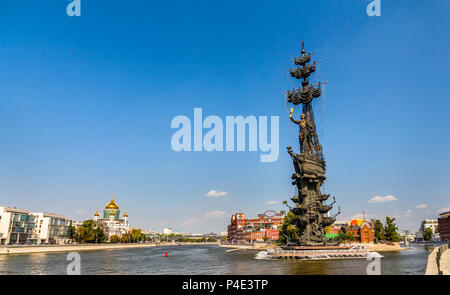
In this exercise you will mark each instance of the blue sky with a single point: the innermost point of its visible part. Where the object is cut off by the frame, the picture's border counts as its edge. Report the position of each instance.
(86, 105)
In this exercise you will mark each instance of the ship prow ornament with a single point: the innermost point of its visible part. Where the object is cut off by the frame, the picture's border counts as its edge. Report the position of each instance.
(312, 215)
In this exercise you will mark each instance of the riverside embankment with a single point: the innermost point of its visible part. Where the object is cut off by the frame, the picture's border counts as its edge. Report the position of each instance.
(5, 250)
(439, 261)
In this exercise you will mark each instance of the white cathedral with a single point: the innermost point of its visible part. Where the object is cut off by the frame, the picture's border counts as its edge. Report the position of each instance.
(111, 222)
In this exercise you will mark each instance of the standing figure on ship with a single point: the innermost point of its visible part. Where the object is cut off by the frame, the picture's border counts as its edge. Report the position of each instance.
(305, 133)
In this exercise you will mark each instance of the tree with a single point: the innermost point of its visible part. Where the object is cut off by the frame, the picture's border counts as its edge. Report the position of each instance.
(427, 234)
(100, 236)
(85, 232)
(89, 232)
(288, 231)
(114, 239)
(378, 231)
(136, 235)
(125, 238)
(72, 232)
(390, 230)
(345, 237)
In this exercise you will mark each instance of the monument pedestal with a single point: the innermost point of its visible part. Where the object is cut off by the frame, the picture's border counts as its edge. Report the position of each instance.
(318, 252)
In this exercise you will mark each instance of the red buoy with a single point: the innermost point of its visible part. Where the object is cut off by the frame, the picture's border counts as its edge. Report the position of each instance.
(165, 254)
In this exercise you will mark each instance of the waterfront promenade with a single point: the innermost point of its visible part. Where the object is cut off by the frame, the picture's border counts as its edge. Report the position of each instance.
(5, 250)
(445, 262)
(439, 260)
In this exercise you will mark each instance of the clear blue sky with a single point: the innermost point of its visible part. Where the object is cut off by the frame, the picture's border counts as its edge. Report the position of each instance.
(86, 105)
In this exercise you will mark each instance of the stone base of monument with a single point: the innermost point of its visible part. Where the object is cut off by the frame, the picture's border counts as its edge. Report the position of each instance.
(318, 252)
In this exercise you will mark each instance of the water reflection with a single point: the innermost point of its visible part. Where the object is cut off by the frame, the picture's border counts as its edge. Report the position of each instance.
(208, 259)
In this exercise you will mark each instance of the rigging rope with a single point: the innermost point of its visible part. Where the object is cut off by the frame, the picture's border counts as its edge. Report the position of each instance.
(296, 144)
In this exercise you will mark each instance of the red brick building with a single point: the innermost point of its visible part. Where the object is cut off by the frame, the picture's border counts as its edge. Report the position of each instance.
(249, 230)
(362, 233)
(444, 226)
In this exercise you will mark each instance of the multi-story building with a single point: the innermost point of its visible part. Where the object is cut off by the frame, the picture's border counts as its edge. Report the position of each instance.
(361, 229)
(427, 223)
(111, 223)
(362, 232)
(16, 226)
(444, 226)
(51, 228)
(248, 230)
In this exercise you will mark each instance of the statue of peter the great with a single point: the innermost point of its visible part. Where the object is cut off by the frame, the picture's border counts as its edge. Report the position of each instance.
(305, 133)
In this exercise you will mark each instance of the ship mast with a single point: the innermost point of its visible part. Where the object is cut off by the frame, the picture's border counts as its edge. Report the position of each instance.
(306, 94)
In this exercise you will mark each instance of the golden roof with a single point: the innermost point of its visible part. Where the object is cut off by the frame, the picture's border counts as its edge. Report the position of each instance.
(112, 204)
(126, 214)
(96, 213)
(111, 213)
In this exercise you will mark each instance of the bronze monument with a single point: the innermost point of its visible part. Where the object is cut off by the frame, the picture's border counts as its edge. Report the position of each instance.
(310, 212)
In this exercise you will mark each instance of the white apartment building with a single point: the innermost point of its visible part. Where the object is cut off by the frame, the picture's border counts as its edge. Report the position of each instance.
(427, 223)
(51, 228)
(16, 226)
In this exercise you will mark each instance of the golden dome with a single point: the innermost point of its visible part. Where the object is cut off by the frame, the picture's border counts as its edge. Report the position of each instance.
(112, 213)
(96, 213)
(126, 214)
(112, 205)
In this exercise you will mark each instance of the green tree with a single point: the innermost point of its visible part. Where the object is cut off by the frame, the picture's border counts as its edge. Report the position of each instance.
(288, 231)
(114, 239)
(136, 235)
(390, 230)
(100, 236)
(89, 232)
(125, 238)
(378, 231)
(72, 232)
(345, 237)
(427, 234)
(85, 232)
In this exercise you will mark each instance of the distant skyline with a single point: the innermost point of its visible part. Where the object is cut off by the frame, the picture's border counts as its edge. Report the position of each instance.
(86, 105)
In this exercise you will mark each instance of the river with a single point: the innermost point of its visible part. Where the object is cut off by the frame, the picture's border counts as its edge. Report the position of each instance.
(206, 259)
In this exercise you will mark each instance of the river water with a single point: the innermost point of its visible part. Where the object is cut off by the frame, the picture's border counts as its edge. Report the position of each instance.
(206, 259)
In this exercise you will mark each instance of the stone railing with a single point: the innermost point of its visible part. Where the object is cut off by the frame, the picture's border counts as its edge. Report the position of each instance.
(434, 260)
